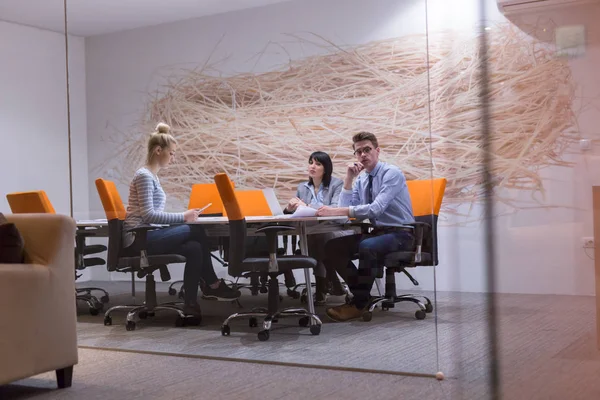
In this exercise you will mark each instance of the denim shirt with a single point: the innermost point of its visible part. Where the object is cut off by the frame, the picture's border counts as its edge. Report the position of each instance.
(391, 205)
(327, 196)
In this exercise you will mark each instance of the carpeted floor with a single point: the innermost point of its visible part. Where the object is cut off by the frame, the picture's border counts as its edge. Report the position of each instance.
(547, 349)
(392, 341)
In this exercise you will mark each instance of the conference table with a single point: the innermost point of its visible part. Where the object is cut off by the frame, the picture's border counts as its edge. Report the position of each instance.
(218, 226)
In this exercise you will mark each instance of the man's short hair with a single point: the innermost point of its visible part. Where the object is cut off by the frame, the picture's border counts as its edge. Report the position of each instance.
(360, 136)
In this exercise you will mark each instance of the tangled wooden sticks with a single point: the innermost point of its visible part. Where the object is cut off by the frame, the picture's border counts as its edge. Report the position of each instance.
(261, 128)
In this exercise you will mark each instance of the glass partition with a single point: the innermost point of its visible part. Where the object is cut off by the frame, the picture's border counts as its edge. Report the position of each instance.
(254, 93)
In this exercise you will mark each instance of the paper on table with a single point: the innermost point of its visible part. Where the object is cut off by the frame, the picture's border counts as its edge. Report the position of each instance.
(303, 211)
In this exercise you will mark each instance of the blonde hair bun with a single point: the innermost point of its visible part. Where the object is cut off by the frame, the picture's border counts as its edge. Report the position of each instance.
(163, 128)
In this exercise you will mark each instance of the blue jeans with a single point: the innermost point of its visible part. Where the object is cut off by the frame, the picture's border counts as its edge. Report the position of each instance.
(189, 241)
(371, 251)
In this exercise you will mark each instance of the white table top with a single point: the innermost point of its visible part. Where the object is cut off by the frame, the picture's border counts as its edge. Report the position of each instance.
(225, 220)
(270, 218)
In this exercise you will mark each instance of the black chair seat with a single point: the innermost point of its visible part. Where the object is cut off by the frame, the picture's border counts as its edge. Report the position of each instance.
(93, 261)
(405, 258)
(134, 262)
(93, 249)
(285, 263)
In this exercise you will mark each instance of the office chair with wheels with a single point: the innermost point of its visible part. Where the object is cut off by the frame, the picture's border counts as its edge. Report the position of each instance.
(426, 197)
(143, 265)
(203, 194)
(272, 266)
(253, 203)
(38, 202)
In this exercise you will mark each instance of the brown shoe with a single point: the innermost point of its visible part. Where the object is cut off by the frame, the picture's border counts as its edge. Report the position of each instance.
(345, 312)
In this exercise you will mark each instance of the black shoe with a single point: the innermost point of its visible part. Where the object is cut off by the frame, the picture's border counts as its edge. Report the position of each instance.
(336, 288)
(192, 310)
(223, 292)
(321, 291)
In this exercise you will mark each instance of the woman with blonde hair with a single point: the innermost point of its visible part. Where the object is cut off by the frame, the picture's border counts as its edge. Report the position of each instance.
(146, 206)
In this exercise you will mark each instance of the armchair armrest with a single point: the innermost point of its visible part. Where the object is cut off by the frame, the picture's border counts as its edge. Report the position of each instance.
(419, 229)
(271, 232)
(275, 228)
(364, 226)
(141, 232)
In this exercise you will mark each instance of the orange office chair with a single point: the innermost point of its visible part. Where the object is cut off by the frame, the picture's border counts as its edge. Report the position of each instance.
(253, 203)
(426, 196)
(143, 265)
(201, 195)
(272, 265)
(37, 202)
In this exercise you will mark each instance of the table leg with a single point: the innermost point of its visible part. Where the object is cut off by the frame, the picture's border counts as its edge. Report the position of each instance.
(307, 271)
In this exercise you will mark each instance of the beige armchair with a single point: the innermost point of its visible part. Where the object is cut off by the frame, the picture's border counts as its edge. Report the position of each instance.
(37, 301)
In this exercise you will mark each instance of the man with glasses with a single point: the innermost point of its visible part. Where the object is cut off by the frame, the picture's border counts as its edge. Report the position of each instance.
(381, 196)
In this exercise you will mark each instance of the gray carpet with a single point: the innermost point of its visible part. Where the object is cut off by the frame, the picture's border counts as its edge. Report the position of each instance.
(547, 349)
(392, 341)
(112, 375)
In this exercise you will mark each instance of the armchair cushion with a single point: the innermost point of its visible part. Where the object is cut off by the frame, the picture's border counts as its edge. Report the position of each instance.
(11, 243)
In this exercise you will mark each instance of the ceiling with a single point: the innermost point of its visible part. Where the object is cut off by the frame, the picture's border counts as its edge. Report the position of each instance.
(96, 17)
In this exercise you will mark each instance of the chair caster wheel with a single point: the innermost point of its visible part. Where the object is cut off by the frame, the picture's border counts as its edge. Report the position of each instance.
(263, 290)
(180, 322)
(315, 329)
(253, 323)
(367, 316)
(384, 308)
(181, 294)
(420, 314)
(172, 292)
(130, 326)
(225, 330)
(143, 315)
(263, 336)
(94, 311)
(303, 322)
(107, 321)
(428, 308)
(104, 299)
(304, 299)
(293, 294)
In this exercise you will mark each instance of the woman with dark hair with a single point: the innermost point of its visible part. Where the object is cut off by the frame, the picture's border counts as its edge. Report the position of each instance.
(322, 189)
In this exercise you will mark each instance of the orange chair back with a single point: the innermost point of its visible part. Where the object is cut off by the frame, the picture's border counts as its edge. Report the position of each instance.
(203, 194)
(426, 195)
(253, 203)
(229, 197)
(34, 202)
(111, 200)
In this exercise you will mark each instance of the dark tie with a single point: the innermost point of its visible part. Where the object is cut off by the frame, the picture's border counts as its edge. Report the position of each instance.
(370, 190)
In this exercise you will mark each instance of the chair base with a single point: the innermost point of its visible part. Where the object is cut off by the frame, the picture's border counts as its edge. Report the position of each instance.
(105, 298)
(387, 302)
(95, 306)
(143, 312)
(269, 319)
(149, 308)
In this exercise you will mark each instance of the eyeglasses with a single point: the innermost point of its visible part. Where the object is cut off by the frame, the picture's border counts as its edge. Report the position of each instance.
(364, 150)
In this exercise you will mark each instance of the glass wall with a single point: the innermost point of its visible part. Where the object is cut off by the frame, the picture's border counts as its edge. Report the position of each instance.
(254, 93)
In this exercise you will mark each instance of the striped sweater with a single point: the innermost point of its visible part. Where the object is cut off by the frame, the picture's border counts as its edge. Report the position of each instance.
(146, 204)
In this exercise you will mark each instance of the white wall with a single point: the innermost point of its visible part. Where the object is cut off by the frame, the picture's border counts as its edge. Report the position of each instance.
(538, 250)
(33, 116)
